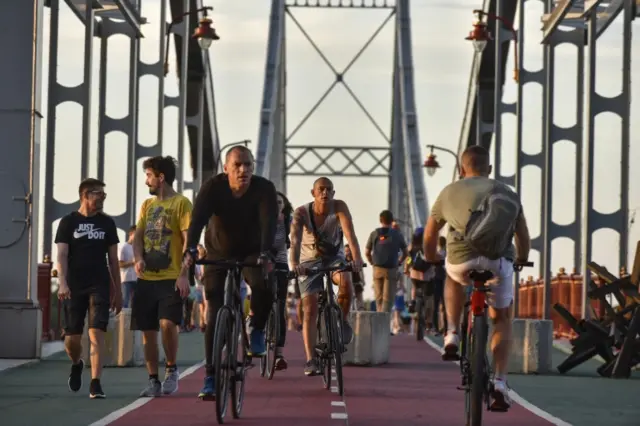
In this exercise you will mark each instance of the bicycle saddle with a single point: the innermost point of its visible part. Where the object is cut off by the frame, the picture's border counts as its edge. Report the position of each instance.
(480, 275)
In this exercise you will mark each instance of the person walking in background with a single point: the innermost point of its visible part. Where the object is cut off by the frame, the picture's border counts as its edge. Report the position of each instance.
(357, 278)
(85, 239)
(160, 240)
(199, 301)
(381, 251)
(127, 271)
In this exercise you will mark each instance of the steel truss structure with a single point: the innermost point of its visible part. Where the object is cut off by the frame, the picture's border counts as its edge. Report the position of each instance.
(401, 162)
(588, 20)
(102, 20)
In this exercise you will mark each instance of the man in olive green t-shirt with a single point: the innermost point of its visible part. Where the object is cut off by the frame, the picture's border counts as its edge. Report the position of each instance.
(454, 206)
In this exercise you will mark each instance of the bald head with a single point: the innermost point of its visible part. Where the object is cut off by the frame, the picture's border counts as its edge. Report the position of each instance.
(238, 150)
(476, 161)
(323, 181)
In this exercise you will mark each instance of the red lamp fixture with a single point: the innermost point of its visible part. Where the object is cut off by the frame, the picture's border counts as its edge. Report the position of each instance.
(431, 164)
(205, 34)
(479, 36)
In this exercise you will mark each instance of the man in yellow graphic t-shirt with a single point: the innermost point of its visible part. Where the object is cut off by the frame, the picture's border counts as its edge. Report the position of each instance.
(158, 247)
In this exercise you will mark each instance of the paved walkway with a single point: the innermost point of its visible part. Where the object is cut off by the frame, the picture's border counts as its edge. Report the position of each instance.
(415, 388)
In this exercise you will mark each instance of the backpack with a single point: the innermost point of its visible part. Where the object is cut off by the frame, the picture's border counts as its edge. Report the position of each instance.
(384, 249)
(491, 226)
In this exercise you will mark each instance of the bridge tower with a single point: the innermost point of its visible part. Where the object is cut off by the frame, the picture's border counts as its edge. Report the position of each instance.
(278, 158)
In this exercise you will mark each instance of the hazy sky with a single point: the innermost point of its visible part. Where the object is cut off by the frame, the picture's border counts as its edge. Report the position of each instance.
(442, 61)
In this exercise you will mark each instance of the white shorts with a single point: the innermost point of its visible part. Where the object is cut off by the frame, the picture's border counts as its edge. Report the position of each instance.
(501, 294)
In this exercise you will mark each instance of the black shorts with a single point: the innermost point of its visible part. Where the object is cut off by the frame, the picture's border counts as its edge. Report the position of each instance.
(215, 278)
(154, 301)
(92, 300)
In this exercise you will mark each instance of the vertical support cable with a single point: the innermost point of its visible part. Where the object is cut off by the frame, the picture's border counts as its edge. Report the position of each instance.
(587, 161)
(182, 95)
(162, 46)
(517, 179)
(625, 123)
(102, 104)
(497, 94)
(52, 102)
(87, 87)
(546, 194)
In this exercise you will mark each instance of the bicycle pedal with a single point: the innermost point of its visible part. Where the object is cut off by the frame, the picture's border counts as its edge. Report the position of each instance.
(462, 388)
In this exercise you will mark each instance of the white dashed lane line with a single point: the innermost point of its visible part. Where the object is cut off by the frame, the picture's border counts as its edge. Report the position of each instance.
(338, 407)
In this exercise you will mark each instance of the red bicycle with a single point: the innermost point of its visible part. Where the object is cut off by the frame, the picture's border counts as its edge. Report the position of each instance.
(474, 364)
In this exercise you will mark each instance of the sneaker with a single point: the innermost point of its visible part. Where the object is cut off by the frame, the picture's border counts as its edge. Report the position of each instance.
(500, 400)
(258, 345)
(95, 390)
(347, 333)
(208, 392)
(451, 344)
(171, 378)
(75, 378)
(311, 368)
(281, 363)
(154, 388)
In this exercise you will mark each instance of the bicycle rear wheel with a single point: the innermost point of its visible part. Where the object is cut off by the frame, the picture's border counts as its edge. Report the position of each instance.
(240, 357)
(273, 333)
(334, 318)
(479, 376)
(222, 355)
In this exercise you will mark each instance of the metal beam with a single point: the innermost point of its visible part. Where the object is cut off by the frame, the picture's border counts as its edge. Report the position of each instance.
(555, 18)
(342, 4)
(610, 13)
(355, 156)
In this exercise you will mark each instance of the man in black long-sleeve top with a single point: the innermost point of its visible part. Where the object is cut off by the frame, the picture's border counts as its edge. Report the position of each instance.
(240, 212)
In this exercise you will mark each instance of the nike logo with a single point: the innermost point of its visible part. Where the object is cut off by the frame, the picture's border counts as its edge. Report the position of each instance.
(77, 234)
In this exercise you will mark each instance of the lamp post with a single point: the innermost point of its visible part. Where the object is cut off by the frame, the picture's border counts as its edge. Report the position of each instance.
(479, 37)
(205, 35)
(245, 142)
(431, 163)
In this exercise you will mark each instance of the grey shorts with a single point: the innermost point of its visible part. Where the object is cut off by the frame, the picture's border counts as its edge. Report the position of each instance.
(313, 284)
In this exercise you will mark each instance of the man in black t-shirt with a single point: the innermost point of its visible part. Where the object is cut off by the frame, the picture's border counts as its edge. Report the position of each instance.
(85, 239)
(240, 212)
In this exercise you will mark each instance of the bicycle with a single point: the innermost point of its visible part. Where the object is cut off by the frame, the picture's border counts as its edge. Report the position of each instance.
(230, 333)
(272, 330)
(331, 346)
(476, 369)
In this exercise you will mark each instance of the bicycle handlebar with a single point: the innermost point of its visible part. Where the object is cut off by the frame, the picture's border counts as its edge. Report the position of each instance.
(523, 264)
(348, 267)
(228, 264)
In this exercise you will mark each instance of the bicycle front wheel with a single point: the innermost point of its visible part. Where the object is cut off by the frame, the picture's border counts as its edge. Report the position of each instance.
(273, 332)
(479, 376)
(335, 324)
(239, 377)
(223, 360)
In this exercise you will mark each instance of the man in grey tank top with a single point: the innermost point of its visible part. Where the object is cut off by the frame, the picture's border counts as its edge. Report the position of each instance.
(317, 227)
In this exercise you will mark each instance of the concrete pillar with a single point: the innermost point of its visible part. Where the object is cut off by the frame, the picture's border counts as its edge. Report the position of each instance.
(20, 93)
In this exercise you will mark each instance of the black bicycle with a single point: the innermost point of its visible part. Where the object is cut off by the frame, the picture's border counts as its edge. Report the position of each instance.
(330, 326)
(272, 330)
(474, 363)
(230, 342)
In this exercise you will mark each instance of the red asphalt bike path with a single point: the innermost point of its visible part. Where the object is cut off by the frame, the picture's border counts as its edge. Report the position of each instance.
(415, 388)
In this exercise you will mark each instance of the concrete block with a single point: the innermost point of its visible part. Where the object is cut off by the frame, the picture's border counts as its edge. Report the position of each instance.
(531, 347)
(21, 329)
(123, 346)
(370, 345)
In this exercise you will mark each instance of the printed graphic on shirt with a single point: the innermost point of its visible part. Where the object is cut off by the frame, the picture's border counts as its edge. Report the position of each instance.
(157, 241)
(87, 230)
